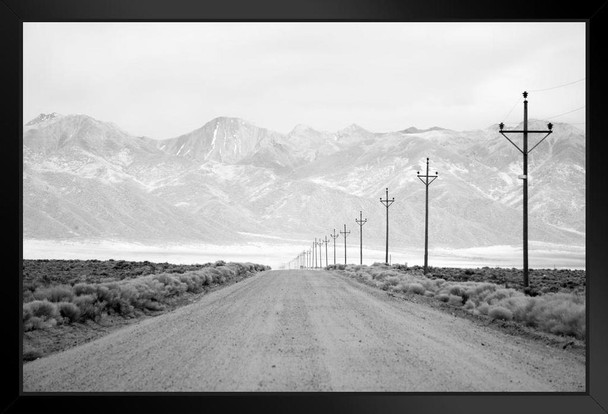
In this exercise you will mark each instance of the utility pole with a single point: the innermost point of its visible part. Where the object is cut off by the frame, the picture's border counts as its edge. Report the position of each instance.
(345, 233)
(387, 203)
(314, 251)
(326, 258)
(524, 177)
(334, 236)
(361, 222)
(320, 243)
(426, 183)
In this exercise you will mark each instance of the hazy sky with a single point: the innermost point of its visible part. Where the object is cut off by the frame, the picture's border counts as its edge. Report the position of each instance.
(165, 79)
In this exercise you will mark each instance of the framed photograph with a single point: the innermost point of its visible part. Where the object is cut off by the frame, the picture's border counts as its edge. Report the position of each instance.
(365, 207)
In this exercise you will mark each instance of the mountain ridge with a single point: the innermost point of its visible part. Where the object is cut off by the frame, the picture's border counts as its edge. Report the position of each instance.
(230, 177)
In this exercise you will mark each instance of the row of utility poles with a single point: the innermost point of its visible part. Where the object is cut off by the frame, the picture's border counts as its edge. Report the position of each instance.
(310, 258)
(427, 179)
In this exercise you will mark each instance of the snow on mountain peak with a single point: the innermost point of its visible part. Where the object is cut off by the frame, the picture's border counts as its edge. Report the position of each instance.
(43, 118)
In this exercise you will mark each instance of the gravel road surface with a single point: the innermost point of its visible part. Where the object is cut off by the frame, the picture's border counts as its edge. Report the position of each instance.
(305, 330)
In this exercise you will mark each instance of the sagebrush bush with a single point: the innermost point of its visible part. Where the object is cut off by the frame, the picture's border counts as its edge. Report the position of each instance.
(88, 306)
(443, 297)
(416, 288)
(84, 289)
(484, 308)
(28, 296)
(34, 323)
(455, 300)
(42, 309)
(69, 311)
(498, 312)
(30, 354)
(59, 293)
(27, 313)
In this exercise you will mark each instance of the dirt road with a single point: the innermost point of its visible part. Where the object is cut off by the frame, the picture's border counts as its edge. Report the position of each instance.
(304, 330)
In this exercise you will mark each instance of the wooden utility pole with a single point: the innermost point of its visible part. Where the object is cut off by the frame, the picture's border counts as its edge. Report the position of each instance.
(426, 183)
(387, 203)
(334, 236)
(326, 258)
(345, 233)
(320, 254)
(361, 221)
(524, 177)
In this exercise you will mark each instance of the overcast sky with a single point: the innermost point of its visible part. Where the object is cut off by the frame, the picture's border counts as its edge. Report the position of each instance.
(162, 80)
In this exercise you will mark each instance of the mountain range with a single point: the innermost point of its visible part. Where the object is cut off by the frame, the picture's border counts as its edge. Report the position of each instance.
(85, 179)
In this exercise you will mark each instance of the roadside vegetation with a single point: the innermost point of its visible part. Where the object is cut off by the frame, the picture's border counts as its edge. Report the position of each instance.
(554, 303)
(57, 293)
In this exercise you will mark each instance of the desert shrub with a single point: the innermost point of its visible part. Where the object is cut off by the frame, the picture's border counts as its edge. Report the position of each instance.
(30, 354)
(191, 281)
(219, 263)
(443, 297)
(34, 323)
(416, 288)
(104, 292)
(57, 293)
(498, 312)
(238, 268)
(484, 308)
(169, 285)
(457, 290)
(520, 306)
(84, 289)
(559, 313)
(27, 313)
(209, 279)
(68, 311)
(500, 294)
(469, 305)
(154, 306)
(455, 300)
(28, 296)
(42, 309)
(392, 280)
(88, 307)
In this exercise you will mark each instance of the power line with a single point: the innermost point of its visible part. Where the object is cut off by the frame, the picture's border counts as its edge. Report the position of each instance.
(565, 113)
(512, 108)
(557, 86)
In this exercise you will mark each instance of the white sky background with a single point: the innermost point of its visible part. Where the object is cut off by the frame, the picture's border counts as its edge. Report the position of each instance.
(162, 80)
